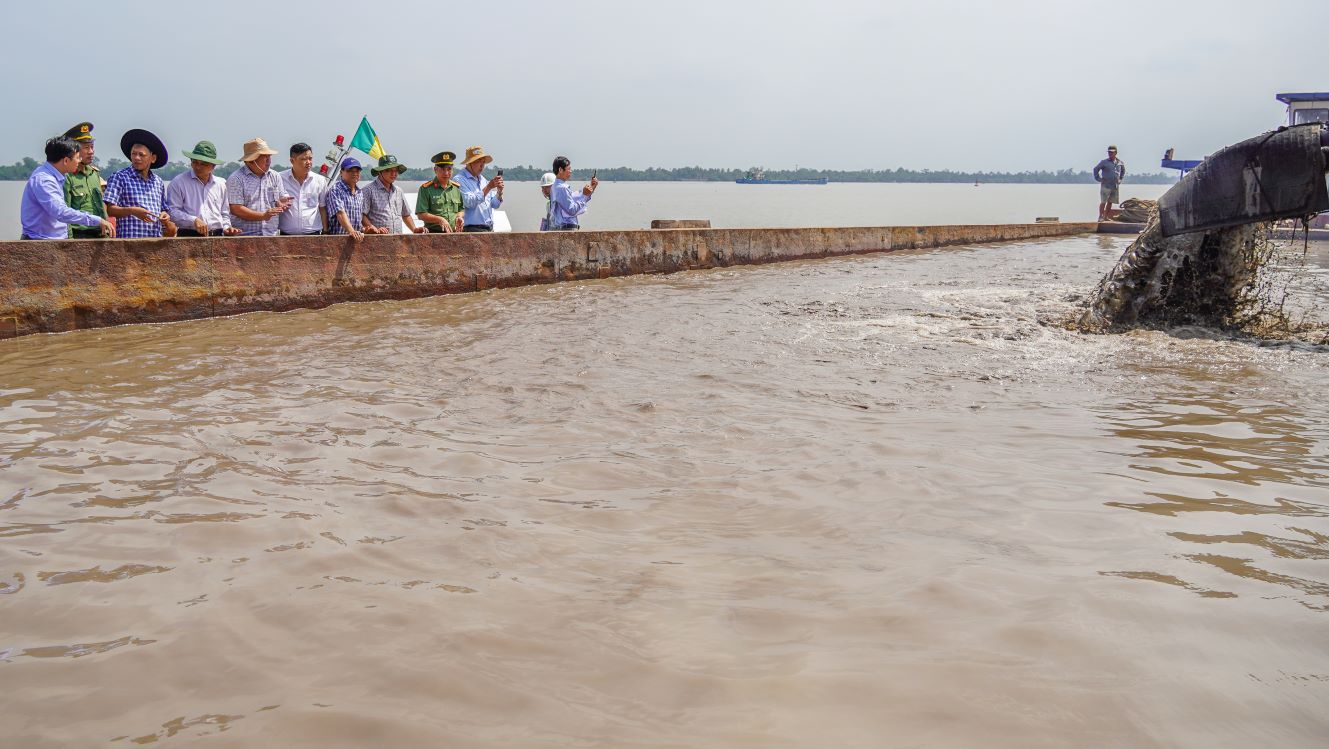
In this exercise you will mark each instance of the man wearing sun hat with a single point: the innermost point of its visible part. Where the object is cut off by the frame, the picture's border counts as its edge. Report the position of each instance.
(255, 193)
(438, 204)
(477, 202)
(345, 202)
(83, 188)
(385, 203)
(196, 200)
(135, 195)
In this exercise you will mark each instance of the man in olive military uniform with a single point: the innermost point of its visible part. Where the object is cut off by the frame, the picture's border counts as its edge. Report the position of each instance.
(438, 204)
(83, 188)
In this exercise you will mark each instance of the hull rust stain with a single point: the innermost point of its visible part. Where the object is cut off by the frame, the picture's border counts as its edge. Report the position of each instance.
(55, 286)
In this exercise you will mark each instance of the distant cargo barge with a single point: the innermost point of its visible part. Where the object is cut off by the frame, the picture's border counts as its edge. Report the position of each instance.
(751, 181)
(757, 176)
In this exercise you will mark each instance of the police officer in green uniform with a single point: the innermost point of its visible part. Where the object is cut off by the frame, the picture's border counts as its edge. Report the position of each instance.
(438, 204)
(83, 188)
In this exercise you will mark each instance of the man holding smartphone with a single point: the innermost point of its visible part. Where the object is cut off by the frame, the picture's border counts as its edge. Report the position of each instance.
(478, 203)
(566, 206)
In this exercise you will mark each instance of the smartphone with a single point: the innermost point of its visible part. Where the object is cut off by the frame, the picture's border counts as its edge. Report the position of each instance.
(595, 173)
(500, 172)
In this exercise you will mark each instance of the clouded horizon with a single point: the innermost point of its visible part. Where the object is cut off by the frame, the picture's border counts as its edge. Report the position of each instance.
(839, 85)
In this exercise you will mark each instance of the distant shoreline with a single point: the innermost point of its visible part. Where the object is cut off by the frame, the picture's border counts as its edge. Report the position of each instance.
(21, 170)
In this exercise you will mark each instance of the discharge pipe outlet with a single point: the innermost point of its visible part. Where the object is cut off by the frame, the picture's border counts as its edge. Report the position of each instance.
(1277, 175)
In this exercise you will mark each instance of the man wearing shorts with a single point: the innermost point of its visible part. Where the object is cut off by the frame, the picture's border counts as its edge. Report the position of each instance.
(1109, 173)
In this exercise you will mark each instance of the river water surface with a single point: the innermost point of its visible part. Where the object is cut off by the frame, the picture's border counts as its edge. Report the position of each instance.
(860, 502)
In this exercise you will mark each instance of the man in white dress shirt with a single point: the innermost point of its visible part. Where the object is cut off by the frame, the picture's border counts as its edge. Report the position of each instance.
(307, 214)
(196, 200)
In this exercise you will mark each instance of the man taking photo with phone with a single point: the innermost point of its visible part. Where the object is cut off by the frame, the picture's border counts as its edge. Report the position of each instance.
(566, 205)
(477, 201)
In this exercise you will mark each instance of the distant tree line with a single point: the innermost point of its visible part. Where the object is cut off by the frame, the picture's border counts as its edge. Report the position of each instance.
(20, 171)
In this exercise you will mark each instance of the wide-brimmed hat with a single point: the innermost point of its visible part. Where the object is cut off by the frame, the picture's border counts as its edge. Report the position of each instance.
(387, 162)
(82, 132)
(203, 151)
(444, 158)
(474, 153)
(148, 141)
(546, 179)
(256, 148)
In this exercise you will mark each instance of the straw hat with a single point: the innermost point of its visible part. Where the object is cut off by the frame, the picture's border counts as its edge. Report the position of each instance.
(256, 148)
(474, 153)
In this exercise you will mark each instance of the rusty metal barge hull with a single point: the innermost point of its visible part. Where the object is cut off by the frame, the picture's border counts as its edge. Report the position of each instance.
(56, 286)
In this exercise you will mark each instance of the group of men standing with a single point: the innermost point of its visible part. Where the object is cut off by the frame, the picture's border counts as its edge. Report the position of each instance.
(67, 197)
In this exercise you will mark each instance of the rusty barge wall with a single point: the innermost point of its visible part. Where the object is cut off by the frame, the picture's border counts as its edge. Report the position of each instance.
(54, 286)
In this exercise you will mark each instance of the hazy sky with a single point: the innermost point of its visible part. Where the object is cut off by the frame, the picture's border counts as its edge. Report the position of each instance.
(840, 84)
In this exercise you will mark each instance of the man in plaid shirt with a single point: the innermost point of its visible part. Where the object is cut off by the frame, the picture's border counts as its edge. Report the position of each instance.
(255, 192)
(136, 196)
(346, 202)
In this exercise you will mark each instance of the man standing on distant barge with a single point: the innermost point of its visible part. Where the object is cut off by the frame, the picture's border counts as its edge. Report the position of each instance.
(83, 188)
(1109, 173)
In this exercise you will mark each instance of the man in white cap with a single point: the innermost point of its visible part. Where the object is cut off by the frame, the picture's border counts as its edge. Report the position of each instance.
(478, 204)
(255, 192)
(546, 182)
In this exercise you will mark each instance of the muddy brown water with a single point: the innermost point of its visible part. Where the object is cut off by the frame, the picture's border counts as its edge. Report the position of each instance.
(858, 502)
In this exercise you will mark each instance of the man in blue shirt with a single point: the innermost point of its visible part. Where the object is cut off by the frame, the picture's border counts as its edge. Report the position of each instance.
(477, 204)
(1109, 173)
(44, 212)
(565, 206)
(346, 202)
(135, 195)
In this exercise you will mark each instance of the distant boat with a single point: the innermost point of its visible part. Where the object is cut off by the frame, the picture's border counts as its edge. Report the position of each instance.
(758, 177)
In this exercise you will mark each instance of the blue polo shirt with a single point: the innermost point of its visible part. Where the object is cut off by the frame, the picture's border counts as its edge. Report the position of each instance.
(477, 210)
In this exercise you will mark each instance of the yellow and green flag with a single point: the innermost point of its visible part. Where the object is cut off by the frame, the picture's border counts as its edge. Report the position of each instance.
(367, 140)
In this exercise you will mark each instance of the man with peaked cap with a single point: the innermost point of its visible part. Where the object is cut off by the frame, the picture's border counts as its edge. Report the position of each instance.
(135, 195)
(438, 204)
(385, 203)
(478, 205)
(83, 188)
(256, 193)
(196, 199)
